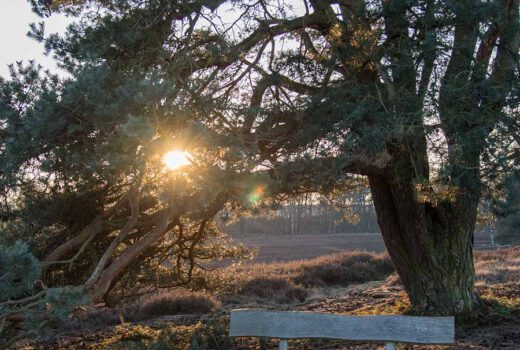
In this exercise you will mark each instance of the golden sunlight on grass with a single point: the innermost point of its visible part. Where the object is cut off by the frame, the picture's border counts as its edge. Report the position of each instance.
(176, 159)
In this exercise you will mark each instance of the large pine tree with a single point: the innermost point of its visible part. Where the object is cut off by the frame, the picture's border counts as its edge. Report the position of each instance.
(272, 99)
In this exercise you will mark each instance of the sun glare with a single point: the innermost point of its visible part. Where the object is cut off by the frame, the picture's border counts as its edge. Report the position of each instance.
(176, 159)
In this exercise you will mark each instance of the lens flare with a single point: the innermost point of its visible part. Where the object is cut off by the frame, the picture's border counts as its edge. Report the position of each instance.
(176, 159)
(256, 195)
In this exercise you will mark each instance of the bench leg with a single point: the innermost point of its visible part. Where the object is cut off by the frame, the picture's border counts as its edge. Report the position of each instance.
(283, 345)
(390, 346)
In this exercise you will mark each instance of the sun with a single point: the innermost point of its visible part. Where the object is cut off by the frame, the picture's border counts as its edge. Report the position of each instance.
(176, 159)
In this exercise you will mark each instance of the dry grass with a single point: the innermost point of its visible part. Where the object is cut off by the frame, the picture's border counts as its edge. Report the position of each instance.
(501, 266)
(498, 276)
(294, 281)
(377, 265)
(498, 283)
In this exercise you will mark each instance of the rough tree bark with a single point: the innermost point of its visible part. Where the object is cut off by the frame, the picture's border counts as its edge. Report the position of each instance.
(430, 240)
(432, 254)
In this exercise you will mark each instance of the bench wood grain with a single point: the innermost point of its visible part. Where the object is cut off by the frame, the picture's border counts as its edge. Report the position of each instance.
(299, 325)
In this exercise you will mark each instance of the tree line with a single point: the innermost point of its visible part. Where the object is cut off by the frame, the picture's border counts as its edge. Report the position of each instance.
(311, 214)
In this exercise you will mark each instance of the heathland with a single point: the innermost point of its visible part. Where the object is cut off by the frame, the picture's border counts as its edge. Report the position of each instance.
(351, 283)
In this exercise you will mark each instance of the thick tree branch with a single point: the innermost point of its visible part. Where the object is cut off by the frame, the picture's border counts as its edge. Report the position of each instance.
(507, 54)
(91, 230)
(429, 37)
(133, 198)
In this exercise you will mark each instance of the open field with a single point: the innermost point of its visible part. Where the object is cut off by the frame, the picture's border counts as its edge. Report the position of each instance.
(286, 248)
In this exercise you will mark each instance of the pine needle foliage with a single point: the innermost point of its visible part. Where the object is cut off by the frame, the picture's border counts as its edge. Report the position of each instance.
(271, 99)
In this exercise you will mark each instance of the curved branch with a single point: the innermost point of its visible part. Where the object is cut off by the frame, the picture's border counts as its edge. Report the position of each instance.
(87, 234)
(101, 287)
(232, 54)
(133, 199)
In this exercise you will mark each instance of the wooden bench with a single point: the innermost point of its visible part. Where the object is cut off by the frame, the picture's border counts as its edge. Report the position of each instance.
(298, 325)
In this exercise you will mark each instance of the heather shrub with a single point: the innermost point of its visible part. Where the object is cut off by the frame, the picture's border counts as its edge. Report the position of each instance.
(353, 268)
(95, 318)
(147, 307)
(297, 293)
(174, 304)
(278, 289)
(265, 287)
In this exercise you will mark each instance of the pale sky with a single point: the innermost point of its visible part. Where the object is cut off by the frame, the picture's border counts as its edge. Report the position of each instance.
(15, 16)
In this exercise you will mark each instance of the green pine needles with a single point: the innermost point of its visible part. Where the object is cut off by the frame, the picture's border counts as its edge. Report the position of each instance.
(25, 299)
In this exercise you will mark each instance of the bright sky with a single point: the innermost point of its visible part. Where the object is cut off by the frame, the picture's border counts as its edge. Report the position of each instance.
(15, 16)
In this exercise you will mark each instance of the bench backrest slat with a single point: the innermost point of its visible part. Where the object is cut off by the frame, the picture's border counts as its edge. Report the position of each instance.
(298, 325)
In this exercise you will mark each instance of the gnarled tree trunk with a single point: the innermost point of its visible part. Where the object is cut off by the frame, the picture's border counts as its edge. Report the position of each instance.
(430, 241)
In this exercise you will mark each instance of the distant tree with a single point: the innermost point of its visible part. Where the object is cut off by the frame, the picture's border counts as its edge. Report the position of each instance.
(310, 214)
(507, 211)
(272, 99)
